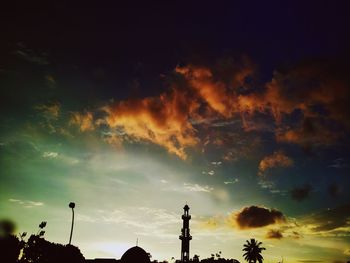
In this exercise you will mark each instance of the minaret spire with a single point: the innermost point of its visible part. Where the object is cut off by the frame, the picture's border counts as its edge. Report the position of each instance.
(185, 236)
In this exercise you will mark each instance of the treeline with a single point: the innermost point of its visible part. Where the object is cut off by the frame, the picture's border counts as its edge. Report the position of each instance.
(35, 249)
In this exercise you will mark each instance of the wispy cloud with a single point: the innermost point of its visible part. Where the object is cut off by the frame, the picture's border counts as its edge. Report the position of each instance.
(50, 111)
(50, 154)
(234, 181)
(30, 55)
(26, 203)
(211, 172)
(338, 163)
(144, 220)
(218, 163)
(198, 188)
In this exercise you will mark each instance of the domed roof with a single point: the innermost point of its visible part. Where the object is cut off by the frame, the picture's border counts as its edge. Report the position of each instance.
(135, 255)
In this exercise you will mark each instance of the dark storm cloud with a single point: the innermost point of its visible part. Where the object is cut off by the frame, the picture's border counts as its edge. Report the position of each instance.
(255, 217)
(274, 234)
(301, 193)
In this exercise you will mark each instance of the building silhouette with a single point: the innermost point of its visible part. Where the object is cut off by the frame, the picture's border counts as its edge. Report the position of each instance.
(135, 254)
(185, 236)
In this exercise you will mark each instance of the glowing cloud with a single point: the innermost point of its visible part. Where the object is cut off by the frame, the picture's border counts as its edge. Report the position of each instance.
(161, 120)
(202, 95)
(215, 94)
(277, 159)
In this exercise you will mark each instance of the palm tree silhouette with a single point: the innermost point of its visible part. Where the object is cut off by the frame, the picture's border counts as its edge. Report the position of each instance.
(71, 205)
(253, 251)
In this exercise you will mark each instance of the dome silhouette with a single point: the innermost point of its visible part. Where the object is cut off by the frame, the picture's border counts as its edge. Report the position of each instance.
(135, 255)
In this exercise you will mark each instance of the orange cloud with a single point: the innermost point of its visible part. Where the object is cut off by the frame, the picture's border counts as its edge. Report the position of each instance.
(85, 121)
(201, 95)
(161, 120)
(277, 159)
(214, 93)
(168, 120)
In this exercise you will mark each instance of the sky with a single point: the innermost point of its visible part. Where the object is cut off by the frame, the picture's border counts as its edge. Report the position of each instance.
(131, 110)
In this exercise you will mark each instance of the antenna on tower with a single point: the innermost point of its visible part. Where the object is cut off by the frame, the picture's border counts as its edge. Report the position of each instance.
(137, 242)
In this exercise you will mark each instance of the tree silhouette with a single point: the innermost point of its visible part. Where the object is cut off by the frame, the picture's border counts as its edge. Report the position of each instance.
(253, 251)
(39, 250)
(10, 245)
(36, 249)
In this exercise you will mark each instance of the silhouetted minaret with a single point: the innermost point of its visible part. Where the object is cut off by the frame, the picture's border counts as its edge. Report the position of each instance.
(185, 235)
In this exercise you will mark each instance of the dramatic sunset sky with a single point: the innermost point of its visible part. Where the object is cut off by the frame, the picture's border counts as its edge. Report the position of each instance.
(239, 108)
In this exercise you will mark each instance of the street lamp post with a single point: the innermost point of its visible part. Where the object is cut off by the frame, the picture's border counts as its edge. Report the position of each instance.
(71, 205)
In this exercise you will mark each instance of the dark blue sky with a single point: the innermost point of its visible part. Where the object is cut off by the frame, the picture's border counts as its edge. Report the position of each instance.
(136, 40)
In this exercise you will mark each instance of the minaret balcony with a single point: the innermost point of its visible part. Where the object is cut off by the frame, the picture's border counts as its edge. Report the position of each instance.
(185, 238)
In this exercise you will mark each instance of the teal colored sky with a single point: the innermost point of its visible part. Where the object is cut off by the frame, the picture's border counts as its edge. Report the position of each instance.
(133, 111)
